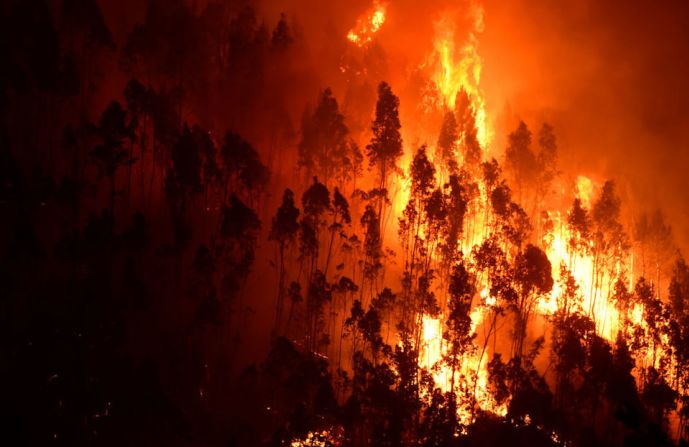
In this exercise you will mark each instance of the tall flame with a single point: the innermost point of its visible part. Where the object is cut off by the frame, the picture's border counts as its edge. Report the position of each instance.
(452, 69)
(473, 365)
(456, 69)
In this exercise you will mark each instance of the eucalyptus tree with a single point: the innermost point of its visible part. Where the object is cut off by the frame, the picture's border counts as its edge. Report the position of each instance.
(284, 230)
(385, 147)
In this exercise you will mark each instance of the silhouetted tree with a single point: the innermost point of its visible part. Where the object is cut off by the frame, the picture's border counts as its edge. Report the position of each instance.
(373, 251)
(654, 237)
(458, 332)
(284, 229)
(468, 133)
(243, 170)
(282, 34)
(341, 217)
(239, 231)
(609, 242)
(315, 203)
(546, 160)
(447, 141)
(579, 225)
(533, 274)
(520, 158)
(113, 129)
(385, 147)
(324, 147)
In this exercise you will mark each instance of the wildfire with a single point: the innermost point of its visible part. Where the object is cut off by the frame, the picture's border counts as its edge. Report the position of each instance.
(472, 371)
(584, 190)
(324, 438)
(455, 73)
(594, 290)
(457, 69)
(367, 25)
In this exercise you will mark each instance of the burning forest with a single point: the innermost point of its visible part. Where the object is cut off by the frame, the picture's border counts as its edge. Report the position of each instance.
(366, 223)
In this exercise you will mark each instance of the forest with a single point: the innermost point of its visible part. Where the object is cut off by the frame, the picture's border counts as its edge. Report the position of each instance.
(215, 232)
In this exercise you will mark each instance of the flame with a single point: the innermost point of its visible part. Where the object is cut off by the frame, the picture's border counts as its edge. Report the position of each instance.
(594, 293)
(487, 299)
(584, 190)
(368, 25)
(331, 437)
(452, 69)
(472, 367)
(459, 69)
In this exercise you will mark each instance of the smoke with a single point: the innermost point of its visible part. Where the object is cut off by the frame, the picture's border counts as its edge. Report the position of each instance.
(611, 77)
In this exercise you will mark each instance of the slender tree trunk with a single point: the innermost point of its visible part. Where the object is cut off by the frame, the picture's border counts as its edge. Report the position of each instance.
(330, 248)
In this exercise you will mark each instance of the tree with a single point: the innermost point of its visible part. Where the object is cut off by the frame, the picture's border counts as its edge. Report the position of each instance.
(417, 232)
(579, 225)
(466, 124)
(341, 217)
(183, 180)
(571, 333)
(654, 238)
(385, 147)
(511, 221)
(546, 160)
(319, 293)
(533, 274)
(678, 297)
(242, 166)
(527, 391)
(238, 230)
(113, 128)
(458, 333)
(520, 158)
(324, 147)
(456, 204)
(212, 174)
(315, 203)
(608, 239)
(283, 230)
(282, 35)
(658, 396)
(678, 292)
(171, 47)
(373, 252)
(447, 141)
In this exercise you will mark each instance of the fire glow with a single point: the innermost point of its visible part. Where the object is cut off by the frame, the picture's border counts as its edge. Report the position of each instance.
(344, 223)
(456, 69)
(367, 26)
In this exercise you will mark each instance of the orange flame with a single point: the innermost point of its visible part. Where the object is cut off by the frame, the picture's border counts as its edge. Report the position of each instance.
(472, 367)
(456, 69)
(368, 25)
(584, 190)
